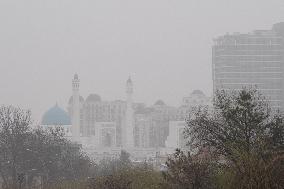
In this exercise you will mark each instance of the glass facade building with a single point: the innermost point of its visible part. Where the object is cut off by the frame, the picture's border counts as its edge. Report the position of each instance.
(251, 60)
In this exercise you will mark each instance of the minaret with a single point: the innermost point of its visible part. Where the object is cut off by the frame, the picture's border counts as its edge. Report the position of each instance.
(75, 107)
(129, 129)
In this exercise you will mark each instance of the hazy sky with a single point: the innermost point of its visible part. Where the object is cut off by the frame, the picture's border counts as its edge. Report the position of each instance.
(165, 45)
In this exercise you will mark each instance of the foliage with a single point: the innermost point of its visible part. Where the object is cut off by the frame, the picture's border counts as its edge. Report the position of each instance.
(246, 135)
(122, 174)
(58, 158)
(69, 184)
(28, 155)
(129, 178)
(109, 166)
(186, 171)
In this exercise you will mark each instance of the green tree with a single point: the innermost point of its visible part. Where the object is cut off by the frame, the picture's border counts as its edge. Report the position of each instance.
(246, 135)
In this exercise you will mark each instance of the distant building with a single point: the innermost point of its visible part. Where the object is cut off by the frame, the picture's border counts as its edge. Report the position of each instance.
(142, 130)
(251, 60)
(176, 137)
(161, 116)
(102, 120)
(106, 132)
(95, 111)
(195, 100)
(152, 124)
(103, 128)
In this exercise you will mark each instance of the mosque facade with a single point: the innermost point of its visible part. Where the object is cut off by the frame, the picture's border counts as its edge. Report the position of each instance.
(109, 126)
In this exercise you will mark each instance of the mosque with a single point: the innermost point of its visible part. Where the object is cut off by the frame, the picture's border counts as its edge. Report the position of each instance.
(106, 127)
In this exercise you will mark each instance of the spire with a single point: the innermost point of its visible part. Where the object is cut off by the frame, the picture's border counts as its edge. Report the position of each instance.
(76, 82)
(129, 128)
(76, 106)
(129, 80)
(129, 86)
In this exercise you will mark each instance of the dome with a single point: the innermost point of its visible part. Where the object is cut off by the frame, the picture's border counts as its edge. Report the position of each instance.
(76, 76)
(197, 92)
(55, 116)
(93, 98)
(160, 103)
(81, 99)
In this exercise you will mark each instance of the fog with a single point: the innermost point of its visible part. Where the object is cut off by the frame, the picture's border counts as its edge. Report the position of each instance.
(164, 45)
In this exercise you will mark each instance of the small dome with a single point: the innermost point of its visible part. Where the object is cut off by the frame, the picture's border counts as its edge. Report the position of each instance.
(56, 116)
(197, 92)
(76, 76)
(81, 99)
(160, 103)
(93, 98)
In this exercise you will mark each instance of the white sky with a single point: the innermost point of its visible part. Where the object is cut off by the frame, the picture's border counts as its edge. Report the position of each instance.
(165, 45)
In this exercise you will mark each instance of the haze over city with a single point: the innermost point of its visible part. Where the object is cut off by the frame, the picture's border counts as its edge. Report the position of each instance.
(149, 94)
(165, 46)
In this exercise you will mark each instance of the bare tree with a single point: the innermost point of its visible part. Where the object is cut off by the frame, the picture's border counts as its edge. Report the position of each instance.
(26, 153)
(14, 130)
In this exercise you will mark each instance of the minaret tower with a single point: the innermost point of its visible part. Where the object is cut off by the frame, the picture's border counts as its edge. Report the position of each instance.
(129, 129)
(75, 107)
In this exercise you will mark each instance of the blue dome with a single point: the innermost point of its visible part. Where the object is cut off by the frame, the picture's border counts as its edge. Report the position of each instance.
(55, 116)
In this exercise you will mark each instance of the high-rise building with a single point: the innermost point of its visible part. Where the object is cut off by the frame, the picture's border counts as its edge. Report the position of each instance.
(251, 60)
